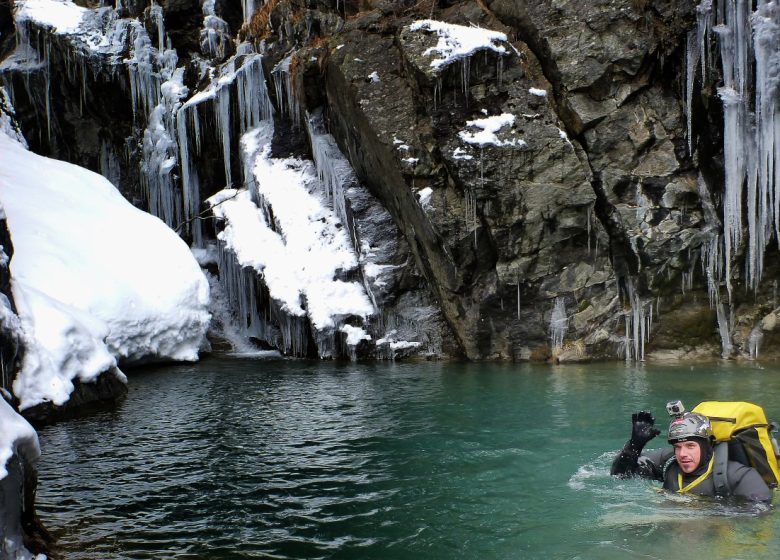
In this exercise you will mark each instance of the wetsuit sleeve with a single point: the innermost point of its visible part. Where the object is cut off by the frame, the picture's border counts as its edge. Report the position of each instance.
(626, 463)
(630, 462)
(747, 483)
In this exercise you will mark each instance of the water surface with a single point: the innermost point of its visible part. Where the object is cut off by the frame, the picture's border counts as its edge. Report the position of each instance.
(260, 458)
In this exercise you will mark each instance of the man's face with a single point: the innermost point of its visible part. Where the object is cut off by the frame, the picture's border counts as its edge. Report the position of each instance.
(688, 455)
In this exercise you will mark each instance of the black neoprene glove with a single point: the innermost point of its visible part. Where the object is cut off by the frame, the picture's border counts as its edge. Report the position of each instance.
(642, 430)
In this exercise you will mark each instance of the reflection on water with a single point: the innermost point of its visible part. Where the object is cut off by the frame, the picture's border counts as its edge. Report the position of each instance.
(247, 458)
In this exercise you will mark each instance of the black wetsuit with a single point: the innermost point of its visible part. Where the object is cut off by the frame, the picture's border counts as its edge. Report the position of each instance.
(661, 465)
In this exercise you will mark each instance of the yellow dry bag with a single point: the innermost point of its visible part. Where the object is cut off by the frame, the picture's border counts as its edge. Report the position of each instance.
(745, 427)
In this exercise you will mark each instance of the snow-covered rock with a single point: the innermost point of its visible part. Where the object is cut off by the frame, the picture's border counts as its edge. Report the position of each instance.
(96, 281)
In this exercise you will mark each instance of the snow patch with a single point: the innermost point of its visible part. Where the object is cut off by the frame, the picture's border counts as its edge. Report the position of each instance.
(458, 41)
(354, 334)
(424, 196)
(488, 129)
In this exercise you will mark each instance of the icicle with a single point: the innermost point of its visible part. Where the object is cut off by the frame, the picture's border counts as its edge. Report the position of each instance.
(145, 82)
(254, 103)
(518, 298)
(733, 146)
(252, 308)
(754, 341)
(766, 27)
(471, 212)
(223, 126)
(588, 212)
(156, 15)
(724, 331)
(159, 159)
(465, 75)
(703, 31)
(190, 184)
(214, 36)
(110, 167)
(47, 77)
(692, 53)
(248, 9)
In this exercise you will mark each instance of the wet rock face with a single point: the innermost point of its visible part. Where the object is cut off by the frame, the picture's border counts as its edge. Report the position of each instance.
(488, 222)
(108, 389)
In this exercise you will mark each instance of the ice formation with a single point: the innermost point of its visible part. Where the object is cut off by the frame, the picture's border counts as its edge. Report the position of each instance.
(458, 43)
(285, 95)
(240, 83)
(749, 43)
(638, 319)
(559, 324)
(284, 229)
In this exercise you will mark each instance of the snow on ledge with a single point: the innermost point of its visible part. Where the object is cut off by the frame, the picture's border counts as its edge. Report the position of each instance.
(314, 238)
(63, 16)
(458, 41)
(488, 129)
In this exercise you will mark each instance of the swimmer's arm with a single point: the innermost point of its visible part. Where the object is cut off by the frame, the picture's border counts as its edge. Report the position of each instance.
(627, 463)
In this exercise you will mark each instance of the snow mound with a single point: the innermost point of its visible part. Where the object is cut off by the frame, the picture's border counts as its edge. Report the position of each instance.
(95, 280)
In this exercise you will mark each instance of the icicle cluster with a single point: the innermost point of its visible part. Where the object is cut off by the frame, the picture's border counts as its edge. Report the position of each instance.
(157, 89)
(288, 103)
(214, 37)
(638, 319)
(241, 84)
(749, 43)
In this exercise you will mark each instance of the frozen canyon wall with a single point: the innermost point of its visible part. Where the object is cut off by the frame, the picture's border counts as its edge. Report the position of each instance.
(514, 180)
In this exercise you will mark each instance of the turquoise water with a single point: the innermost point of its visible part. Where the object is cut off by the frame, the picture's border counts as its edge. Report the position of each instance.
(257, 458)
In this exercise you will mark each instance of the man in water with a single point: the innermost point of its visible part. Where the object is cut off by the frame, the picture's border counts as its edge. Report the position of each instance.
(688, 467)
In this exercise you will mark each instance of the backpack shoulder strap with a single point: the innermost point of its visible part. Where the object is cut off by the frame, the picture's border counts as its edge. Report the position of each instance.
(720, 469)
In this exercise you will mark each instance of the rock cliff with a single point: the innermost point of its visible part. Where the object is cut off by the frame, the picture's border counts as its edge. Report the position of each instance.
(515, 180)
